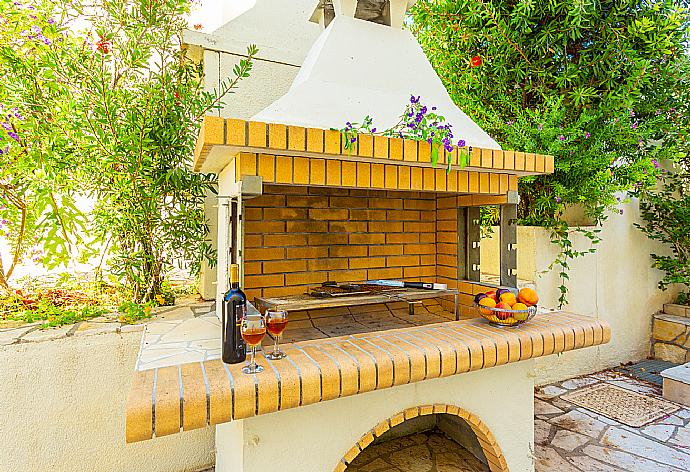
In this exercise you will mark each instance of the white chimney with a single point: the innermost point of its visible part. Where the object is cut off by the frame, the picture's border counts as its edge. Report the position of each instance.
(364, 63)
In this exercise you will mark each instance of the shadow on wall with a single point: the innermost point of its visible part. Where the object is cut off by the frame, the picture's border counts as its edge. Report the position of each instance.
(616, 284)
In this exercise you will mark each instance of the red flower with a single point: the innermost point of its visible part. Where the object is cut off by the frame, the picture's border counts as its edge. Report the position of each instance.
(476, 61)
(198, 26)
(103, 45)
(177, 95)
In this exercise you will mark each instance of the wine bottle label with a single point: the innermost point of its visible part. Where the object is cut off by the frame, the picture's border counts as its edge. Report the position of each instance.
(240, 312)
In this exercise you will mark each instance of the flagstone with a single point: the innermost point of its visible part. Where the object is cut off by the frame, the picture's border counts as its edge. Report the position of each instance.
(10, 336)
(586, 463)
(662, 432)
(568, 440)
(674, 420)
(684, 413)
(643, 447)
(48, 334)
(562, 404)
(548, 460)
(417, 458)
(579, 382)
(542, 429)
(550, 391)
(682, 437)
(543, 408)
(626, 461)
(580, 423)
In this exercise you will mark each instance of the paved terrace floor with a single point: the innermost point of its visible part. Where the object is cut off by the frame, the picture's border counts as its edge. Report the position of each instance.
(568, 439)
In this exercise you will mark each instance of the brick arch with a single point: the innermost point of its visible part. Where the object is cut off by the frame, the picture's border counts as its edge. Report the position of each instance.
(490, 447)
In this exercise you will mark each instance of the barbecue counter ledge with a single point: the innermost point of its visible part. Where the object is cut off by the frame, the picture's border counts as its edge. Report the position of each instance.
(171, 399)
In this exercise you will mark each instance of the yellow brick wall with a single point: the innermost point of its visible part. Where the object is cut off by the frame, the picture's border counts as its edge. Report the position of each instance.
(296, 237)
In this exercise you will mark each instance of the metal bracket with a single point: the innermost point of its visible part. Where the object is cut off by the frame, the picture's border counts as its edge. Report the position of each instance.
(411, 304)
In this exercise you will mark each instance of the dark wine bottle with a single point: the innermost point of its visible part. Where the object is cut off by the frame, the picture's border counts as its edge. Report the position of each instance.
(234, 309)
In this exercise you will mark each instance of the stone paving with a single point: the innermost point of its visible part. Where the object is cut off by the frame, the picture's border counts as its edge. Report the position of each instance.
(429, 451)
(14, 332)
(569, 438)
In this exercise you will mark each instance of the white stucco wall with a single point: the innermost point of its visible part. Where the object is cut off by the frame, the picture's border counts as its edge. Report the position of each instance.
(489, 251)
(313, 438)
(63, 410)
(616, 284)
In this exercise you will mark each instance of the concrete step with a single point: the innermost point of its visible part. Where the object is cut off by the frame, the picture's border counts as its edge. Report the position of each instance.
(677, 384)
(677, 310)
(671, 338)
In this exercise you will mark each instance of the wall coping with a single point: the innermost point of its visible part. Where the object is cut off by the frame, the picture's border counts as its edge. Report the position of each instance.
(231, 136)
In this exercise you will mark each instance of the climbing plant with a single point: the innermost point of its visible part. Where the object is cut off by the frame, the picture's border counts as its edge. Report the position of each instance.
(597, 85)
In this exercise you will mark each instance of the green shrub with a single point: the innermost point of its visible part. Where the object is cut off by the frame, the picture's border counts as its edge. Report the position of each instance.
(666, 215)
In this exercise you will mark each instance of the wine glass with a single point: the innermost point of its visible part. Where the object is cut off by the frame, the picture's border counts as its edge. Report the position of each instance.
(276, 322)
(253, 329)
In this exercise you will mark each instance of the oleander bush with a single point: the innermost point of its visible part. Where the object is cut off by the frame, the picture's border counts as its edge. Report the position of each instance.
(100, 100)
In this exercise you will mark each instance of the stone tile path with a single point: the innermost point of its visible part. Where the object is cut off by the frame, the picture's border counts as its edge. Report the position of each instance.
(569, 438)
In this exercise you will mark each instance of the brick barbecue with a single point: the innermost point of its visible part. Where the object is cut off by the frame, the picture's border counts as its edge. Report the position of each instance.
(297, 209)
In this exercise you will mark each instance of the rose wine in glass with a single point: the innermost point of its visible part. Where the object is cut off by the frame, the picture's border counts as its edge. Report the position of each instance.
(253, 329)
(276, 321)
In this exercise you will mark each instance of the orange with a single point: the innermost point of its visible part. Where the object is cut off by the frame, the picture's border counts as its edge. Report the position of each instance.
(528, 296)
(508, 298)
(487, 302)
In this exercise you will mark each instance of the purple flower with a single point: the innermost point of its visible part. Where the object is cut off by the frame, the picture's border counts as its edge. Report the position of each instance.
(656, 163)
(423, 110)
(634, 125)
(353, 140)
(414, 99)
(632, 113)
(620, 211)
(7, 126)
(558, 199)
(561, 138)
(373, 130)
(348, 125)
(657, 112)
(418, 118)
(13, 135)
(51, 21)
(587, 135)
(540, 127)
(429, 140)
(433, 108)
(461, 143)
(510, 122)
